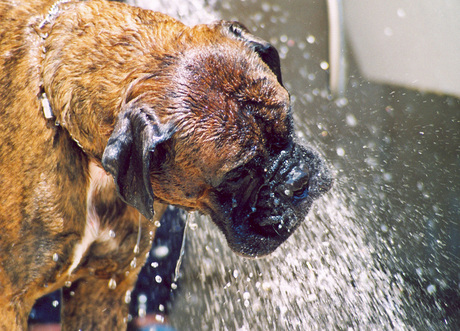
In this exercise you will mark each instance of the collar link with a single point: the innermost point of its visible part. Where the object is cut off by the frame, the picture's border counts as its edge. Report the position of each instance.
(52, 14)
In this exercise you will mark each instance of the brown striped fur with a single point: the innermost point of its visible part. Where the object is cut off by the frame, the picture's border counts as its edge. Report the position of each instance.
(145, 108)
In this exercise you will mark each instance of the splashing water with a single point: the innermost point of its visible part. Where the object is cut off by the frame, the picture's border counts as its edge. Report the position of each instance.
(188, 223)
(323, 277)
(348, 266)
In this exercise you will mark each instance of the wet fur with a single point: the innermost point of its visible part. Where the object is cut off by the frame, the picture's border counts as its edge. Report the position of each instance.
(146, 109)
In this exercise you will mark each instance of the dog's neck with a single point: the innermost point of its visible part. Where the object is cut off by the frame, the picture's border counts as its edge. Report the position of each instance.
(64, 102)
(53, 12)
(88, 81)
(43, 31)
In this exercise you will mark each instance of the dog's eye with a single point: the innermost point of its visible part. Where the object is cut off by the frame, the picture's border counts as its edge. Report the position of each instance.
(236, 176)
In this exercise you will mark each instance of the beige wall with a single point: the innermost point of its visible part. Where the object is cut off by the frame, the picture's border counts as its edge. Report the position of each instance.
(412, 43)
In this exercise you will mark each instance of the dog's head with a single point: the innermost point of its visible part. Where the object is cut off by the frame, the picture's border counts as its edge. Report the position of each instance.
(218, 138)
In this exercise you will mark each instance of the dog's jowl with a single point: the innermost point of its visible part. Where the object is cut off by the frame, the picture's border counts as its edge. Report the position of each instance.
(109, 112)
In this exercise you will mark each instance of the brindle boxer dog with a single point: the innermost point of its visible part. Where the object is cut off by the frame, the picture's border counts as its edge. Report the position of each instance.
(106, 108)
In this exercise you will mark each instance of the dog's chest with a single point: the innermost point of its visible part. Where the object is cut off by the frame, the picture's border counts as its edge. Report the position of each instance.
(95, 230)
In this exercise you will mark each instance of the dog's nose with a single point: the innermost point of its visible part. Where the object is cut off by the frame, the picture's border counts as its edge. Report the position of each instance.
(318, 180)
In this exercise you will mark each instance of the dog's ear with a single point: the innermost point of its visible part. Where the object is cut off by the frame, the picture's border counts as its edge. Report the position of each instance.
(266, 51)
(128, 153)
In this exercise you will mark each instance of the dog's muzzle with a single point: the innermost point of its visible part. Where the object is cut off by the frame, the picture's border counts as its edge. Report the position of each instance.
(297, 177)
(272, 207)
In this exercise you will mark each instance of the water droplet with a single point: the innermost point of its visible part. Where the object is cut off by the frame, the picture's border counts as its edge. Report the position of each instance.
(342, 102)
(311, 39)
(157, 224)
(72, 293)
(401, 12)
(174, 286)
(161, 251)
(266, 7)
(340, 151)
(133, 263)
(159, 318)
(351, 120)
(161, 307)
(68, 283)
(431, 289)
(142, 312)
(234, 203)
(136, 249)
(55, 303)
(112, 234)
(127, 319)
(388, 31)
(236, 273)
(112, 284)
(387, 177)
(288, 193)
(142, 299)
(312, 297)
(266, 286)
(158, 279)
(324, 65)
(128, 297)
(154, 264)
(246, 295)
(246, 303)
(55, 257)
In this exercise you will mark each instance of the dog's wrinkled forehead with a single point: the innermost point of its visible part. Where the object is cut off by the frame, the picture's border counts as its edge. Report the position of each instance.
(231, 98)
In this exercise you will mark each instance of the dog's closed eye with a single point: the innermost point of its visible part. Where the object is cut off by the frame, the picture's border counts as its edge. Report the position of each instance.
(236, 175)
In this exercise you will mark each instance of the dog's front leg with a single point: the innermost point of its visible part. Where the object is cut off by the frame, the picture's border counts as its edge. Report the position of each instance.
(97, 304)
(13, 316)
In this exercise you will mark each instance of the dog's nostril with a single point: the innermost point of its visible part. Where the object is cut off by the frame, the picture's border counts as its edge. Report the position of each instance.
(297, 182)
(302, 192)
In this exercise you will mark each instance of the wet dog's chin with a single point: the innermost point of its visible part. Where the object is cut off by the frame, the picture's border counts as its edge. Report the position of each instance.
(251, 240)
(254, 245)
